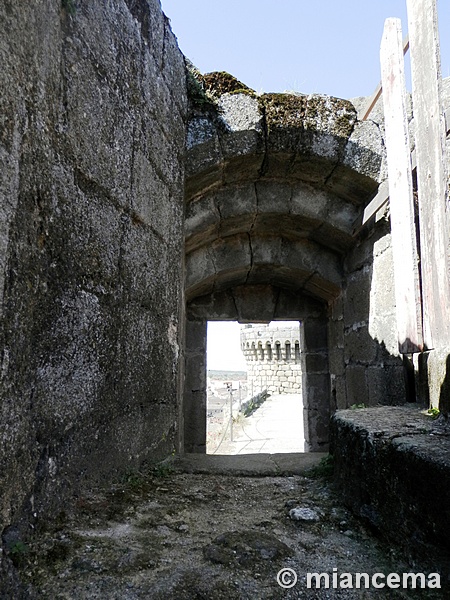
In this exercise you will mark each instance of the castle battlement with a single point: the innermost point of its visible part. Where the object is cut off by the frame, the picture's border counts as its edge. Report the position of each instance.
(273, 357)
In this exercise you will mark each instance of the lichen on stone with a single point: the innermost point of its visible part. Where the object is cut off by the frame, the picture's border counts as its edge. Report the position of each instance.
(333, 114)
(283, 110)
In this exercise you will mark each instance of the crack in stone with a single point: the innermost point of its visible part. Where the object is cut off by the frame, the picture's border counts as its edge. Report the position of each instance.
(265, 131)
(220, 228)
(234, 303)
(275, 304)
(277, 466)
(210, 255)
(337, 164)
(251, 256)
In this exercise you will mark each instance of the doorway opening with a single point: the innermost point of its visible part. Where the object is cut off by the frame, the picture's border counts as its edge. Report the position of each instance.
(255, 379)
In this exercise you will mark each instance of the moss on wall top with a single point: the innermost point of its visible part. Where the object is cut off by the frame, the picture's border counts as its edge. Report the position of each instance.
(311, 112)
(220, 82)
(284, 110)
(314, 112)
(204, 90)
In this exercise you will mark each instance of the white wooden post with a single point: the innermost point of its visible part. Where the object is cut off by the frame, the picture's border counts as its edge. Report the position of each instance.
(432, 175)
(404, 243)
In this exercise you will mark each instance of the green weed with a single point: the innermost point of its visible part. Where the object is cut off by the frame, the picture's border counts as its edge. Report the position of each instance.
(324, 469)
(69, 6)
(433, 412)
(162, 470)
(18, 553)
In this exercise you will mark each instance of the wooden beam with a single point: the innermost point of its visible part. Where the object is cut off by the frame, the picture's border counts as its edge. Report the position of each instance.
(382, 196)
(368, 107)
(403, 229)
(432, 177)
(378, 201)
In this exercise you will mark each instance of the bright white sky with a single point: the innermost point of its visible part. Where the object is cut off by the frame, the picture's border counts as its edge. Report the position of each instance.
(223, 350)
(323, 46)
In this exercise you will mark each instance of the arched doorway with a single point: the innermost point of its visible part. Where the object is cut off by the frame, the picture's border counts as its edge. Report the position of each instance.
(273, 188)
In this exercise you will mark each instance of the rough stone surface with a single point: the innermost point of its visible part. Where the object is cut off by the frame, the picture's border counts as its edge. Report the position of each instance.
(300, 513)
(246, 549)
(392, 466)
(289, 220)
(95, 121)
(185, 536)
(304, 138)
(363, 324)
(93, 106)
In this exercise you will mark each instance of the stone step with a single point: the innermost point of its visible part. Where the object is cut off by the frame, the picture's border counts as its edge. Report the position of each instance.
(259, 465)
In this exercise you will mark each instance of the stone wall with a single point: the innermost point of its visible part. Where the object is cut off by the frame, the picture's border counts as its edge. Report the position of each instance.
(274, 185)
(366, 367)
(273, 358)
(93, 117)
(392, 468)
(365, 364)
(94, 113)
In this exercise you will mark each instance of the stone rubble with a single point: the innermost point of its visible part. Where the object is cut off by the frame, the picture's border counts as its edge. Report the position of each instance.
(301, 513)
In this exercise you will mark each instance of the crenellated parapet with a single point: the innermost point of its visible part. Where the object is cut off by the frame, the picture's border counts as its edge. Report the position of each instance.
(273, 357)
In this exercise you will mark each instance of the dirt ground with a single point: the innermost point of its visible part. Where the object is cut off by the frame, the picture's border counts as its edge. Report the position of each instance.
(174, 535)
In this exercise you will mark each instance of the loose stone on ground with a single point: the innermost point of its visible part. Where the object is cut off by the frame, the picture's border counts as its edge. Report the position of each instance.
(187, 536)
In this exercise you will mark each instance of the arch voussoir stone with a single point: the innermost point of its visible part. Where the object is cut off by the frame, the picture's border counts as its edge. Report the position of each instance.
(315, 139)
(274, 185)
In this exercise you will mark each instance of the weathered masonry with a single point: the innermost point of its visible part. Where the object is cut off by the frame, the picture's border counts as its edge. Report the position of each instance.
(139, 200)
(274, 358)
(274, 188)
(93, 108)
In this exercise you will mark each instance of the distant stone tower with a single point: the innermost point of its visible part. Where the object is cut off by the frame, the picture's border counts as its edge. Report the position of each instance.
(273, 357)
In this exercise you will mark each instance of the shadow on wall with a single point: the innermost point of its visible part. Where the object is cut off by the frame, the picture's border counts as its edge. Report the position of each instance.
(365, 365)
(444, 398)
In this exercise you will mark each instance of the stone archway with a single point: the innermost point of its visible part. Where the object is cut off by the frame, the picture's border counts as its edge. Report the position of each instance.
(273, 188)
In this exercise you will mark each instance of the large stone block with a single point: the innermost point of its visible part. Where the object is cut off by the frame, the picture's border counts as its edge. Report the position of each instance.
(316, 335)
(196, 332)
(91, 222)
(382, 292)
(273, 197)
(356, 384)
(336, 361)
(383, 329)
(316, 362)
(357, 298)
(359, 346)
(339, 392)
(237, 202)
(386, 385)
(316, 430)
(255, 303)
(365, 150)
(318, 392)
